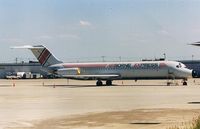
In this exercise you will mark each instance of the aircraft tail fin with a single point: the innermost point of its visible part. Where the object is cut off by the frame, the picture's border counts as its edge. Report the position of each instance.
(44, 56)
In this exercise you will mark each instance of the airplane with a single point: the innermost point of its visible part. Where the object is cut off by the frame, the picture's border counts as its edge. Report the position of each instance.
(195, 43)
(109, 71)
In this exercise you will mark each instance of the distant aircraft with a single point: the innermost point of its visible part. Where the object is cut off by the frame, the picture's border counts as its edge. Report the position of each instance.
(109, 71)
(195, 43)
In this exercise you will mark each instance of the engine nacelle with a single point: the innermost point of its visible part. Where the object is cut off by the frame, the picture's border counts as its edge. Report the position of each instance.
(68, 71)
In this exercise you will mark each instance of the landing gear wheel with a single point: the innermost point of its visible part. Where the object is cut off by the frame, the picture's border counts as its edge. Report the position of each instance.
(109, 82)
(99, 83)
(185, 83)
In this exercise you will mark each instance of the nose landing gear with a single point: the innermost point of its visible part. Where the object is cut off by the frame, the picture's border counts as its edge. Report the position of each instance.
(184, 82)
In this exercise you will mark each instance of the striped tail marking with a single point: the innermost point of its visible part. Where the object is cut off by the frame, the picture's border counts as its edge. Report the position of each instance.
(44, 56)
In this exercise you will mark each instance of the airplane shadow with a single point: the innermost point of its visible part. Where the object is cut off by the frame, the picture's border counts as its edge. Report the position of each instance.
(87, 86)
(6, 85)
(74, 86)
(147, 85)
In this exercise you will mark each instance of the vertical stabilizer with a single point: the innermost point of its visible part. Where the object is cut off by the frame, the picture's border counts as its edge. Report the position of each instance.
(44, 56)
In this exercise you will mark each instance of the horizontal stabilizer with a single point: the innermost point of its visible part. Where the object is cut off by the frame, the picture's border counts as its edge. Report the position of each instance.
(27, 47)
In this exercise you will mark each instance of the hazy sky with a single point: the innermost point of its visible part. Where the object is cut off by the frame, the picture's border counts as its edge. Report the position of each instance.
(88, 29)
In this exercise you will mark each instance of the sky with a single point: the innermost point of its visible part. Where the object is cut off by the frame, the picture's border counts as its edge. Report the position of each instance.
(86, 30)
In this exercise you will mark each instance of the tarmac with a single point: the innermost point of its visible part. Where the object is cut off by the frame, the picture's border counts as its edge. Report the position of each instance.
(71, 104)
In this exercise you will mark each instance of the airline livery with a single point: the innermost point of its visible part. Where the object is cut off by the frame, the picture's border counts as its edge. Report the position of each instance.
(109, 71)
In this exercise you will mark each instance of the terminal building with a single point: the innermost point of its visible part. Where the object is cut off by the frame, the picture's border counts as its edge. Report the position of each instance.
(22, 70)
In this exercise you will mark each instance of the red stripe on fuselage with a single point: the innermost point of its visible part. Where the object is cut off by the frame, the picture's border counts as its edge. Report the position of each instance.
(162, 65)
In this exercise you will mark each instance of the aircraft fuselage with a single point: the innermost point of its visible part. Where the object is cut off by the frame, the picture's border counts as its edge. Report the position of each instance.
(124, 70)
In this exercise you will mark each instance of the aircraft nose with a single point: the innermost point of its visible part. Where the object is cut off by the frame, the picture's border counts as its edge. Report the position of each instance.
(187, 73)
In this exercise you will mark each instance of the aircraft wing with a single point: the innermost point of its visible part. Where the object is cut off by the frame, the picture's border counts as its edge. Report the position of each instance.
(92, 77)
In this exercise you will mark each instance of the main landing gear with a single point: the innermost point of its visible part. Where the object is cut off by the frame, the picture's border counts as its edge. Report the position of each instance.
(108, 82)
(100, 83)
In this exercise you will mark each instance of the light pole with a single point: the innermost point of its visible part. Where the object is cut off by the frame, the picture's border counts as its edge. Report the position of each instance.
(120, 58)
(103, 58)
(164, 56)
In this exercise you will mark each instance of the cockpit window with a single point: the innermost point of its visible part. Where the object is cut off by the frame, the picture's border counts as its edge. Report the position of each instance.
(184, 66)
(179, 65)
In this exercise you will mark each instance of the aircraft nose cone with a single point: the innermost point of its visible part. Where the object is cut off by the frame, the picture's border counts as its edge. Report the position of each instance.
(187, 73)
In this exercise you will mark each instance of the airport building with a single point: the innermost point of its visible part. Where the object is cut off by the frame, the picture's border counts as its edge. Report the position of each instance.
(22, 70)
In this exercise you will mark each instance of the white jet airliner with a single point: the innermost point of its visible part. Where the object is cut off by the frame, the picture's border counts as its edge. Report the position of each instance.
(109, 71)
